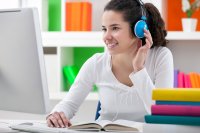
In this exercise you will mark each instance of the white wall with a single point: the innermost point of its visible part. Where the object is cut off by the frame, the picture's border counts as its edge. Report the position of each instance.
(186, 55)
(8, 4)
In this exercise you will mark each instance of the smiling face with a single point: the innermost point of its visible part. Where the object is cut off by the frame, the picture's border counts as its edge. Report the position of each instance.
(117, 33)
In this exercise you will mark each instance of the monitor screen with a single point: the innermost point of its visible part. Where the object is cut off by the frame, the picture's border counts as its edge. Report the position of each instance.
(23, 83)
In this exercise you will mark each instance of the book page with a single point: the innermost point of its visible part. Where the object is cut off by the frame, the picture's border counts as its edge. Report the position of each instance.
(86, 126)
(124, 125)
(94, 125)
(104, 122)
(118, 125)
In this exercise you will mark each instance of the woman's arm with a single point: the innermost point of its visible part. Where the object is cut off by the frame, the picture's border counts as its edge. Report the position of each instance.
(162, 71)
(81, 87)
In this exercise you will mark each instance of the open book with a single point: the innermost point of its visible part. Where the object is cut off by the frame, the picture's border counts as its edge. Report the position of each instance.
(105, 125)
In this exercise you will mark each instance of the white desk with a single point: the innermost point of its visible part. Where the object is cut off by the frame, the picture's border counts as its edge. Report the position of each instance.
(166, 128)
(147, 128)
(11, 117)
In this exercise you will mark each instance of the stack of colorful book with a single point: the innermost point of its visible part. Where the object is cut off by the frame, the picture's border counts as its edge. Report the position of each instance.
(175, 106)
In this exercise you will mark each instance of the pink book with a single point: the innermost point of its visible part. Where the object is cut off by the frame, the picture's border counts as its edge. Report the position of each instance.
(187, 81)
(181, 80)
(179, 110)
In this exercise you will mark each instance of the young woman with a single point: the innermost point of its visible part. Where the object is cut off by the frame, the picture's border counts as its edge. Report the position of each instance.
(127, 72)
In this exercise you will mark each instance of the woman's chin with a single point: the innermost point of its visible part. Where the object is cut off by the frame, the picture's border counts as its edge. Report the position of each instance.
(112, 52)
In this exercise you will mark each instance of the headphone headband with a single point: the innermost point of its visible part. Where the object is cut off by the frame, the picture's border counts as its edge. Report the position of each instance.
(141, 3)
(141, 24)
(142, 9)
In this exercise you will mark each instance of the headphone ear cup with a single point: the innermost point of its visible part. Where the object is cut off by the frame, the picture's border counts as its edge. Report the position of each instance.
(139, 28)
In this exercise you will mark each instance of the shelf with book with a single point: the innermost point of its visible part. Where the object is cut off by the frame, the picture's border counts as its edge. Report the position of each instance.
(76, 15)
(71, 59)
(72, 49)
(66, 57)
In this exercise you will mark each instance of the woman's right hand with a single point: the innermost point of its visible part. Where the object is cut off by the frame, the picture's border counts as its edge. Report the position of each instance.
(58, 119)
(140, 58)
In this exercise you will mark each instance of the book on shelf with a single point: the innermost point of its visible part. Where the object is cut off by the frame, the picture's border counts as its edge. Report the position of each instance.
(68, 22)
(177, 103)
(178, 110)
(54, 15)
(195, 80)
(109, 126)
(176, 72)
(86, 24)
(192, 78)
(181, 83)
(187, 81)
(70, 72)
(75, 16)
(174, 94)
(179, 120)
(78, 16)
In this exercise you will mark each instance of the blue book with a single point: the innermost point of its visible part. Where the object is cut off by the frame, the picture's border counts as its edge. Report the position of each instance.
(177, 103)
(179, 120)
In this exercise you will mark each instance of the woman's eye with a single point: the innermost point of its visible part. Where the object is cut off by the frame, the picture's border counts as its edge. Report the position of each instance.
(104, 29)
(115, 28)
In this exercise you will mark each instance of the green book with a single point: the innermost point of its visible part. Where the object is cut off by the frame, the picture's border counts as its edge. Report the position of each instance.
(70, 72)
(179, 120)
(54, 15)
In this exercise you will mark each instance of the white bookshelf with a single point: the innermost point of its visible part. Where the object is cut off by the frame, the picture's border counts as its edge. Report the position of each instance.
(72, 39)
(179, 35)
(94, 39)
(64, 42)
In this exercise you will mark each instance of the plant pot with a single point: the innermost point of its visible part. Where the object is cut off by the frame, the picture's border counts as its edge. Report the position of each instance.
(189, 24)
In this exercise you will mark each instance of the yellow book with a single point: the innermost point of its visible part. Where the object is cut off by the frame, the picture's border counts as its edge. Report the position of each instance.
(176, 94)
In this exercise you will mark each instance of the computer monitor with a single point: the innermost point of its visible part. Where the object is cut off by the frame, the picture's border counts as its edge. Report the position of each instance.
(23, 83)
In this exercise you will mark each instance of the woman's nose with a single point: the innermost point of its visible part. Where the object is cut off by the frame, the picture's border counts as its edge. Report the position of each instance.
(107, 35)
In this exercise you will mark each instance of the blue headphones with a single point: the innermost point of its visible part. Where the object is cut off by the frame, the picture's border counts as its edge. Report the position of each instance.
(141, 24)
